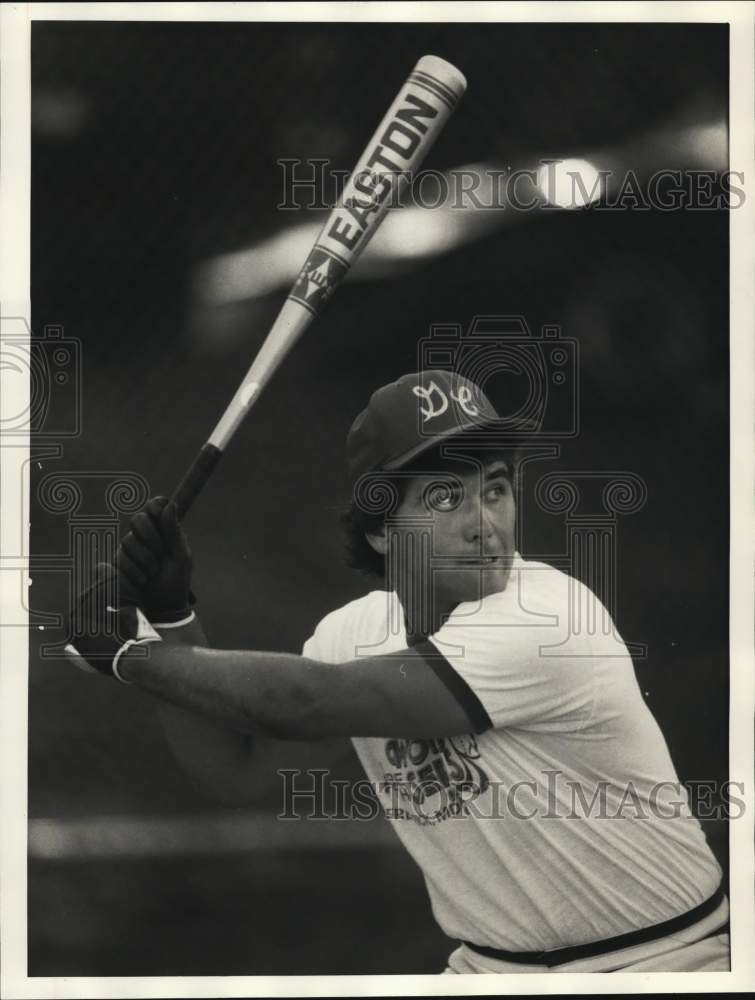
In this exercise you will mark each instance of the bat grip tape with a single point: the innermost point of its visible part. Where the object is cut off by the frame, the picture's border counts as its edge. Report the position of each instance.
(196, 476)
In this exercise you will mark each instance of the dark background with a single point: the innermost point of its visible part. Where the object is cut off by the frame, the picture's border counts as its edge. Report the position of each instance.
(155, 148)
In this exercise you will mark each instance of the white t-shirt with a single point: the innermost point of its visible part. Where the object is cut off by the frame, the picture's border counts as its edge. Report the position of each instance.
(561, 820)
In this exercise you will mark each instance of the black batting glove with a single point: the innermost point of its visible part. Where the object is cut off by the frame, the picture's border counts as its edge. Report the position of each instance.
(155, 561)
(104, 622)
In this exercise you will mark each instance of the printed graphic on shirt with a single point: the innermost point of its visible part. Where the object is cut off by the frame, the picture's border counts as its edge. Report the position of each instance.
(432, 780)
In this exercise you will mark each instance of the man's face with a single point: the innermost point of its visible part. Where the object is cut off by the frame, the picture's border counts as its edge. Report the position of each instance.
(454, 527)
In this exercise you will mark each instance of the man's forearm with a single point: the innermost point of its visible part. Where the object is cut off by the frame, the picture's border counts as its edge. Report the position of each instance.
(238, 689)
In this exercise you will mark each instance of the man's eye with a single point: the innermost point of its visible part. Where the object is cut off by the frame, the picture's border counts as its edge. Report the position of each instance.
(496, 492)
(442, 496)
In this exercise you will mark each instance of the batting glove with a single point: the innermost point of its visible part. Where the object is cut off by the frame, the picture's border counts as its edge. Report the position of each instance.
(154, 559)
(104, 623)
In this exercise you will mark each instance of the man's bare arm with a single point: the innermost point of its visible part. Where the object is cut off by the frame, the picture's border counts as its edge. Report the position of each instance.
(297, 698)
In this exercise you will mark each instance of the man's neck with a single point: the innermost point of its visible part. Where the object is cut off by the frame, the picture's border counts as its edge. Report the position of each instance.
(422, 620)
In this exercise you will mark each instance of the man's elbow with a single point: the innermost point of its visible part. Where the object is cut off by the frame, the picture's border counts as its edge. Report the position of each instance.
(307, 708)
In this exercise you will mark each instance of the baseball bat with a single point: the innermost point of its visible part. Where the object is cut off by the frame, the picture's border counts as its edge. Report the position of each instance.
(410, 126)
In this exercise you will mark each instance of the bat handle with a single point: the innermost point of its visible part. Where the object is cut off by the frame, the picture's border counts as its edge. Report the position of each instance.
(195, 477)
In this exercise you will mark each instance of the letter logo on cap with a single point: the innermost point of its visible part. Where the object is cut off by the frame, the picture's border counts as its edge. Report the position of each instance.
(463, 397)
(427, 395)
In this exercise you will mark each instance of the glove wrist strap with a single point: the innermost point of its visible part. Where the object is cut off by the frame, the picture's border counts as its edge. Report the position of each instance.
(186, 617)
(173, 617)
(127, 645)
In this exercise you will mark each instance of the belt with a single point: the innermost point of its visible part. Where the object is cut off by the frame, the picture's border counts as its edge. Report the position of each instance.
(559, 956)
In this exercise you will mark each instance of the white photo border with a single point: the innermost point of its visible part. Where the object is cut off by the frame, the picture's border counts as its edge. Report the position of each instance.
(15, 36)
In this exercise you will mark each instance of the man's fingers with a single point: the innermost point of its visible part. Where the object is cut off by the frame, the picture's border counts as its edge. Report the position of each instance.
(145, 529)
(140, 555)
(172, 532)
(130, 570)
(155, 507)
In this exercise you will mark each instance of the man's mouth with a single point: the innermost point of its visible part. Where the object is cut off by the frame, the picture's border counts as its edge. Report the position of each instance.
(473, 562)
(487, 561)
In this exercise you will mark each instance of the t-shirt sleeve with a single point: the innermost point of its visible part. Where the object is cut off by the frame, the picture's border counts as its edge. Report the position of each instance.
(315, 648)
(309, 648)
(513, 668)
(327, 642)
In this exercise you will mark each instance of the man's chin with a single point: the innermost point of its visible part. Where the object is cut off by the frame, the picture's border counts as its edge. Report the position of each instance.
(474, 584)
(495, 579)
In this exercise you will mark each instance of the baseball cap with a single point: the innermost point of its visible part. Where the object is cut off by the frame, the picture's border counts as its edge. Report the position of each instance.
(411, 415)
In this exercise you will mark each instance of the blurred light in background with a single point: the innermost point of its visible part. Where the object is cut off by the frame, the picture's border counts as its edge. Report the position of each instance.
(256, 270)
(706, 145)
(238, 832)
(420, 232)
(570, 183)
(59, 114)
(473, 207)
(678, 145)
(406, 233)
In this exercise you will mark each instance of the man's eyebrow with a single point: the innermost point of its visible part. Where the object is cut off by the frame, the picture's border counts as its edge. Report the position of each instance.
(496, 468)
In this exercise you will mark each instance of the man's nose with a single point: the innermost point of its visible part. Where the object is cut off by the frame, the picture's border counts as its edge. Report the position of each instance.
(480, 525)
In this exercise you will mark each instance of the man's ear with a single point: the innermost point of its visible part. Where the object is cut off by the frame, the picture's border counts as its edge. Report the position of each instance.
(378, 539)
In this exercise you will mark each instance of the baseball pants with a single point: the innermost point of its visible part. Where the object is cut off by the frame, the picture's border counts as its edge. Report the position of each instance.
(695, 949)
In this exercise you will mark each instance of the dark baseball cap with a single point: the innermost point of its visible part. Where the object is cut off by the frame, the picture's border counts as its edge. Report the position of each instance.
(407, 417)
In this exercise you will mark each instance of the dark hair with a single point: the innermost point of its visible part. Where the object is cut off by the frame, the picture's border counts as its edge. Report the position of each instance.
(360, 555)
(358, 520)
